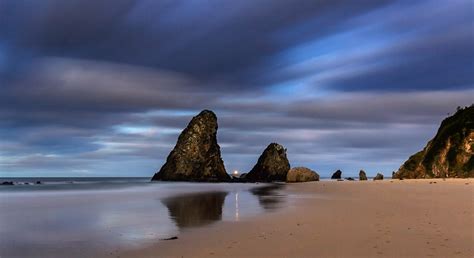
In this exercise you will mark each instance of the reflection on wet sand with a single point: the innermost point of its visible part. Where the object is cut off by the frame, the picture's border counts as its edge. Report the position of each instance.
(200, 209)
(269, 196)
(192, 210)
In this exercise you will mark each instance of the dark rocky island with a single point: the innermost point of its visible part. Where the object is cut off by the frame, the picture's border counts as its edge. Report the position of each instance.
(362, 175)
(337, 174)
(301, 174)
(449, 154)
(196, 156)
(272, 165)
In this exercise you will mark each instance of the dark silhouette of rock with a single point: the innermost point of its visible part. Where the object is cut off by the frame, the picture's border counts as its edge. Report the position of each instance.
(38, 182)
(337, 174)
(272, 165)
(362, 175)
(449, 154)
(378, 177)
(349, 179)
(170, 238)
(8, 183)
(196, 156)
(301, 174)
(192, 210)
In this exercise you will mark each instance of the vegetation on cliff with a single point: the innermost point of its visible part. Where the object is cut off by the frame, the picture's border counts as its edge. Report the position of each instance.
(449, 154)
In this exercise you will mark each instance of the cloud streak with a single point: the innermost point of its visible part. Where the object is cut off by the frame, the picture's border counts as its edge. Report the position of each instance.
(341, 85)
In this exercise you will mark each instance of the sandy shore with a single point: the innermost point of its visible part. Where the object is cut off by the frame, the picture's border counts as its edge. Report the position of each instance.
(390, 218)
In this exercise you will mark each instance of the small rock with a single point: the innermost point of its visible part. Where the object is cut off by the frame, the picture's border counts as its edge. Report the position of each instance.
(337, 174)
(8, 183)
(378, 177)
(362, 175)
(301, 174)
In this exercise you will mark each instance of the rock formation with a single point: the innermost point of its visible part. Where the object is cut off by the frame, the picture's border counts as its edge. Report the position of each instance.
(449, 154)
(378, 177)
(301, 174)
(362, 175)
(337, 174)
(196, 156)
(272, 165)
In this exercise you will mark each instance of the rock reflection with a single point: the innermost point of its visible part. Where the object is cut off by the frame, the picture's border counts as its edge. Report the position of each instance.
(193, 210)
(269, 196)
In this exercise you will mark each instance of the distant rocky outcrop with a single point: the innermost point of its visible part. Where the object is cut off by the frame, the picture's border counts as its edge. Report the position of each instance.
(378, 177)
(196, 156)
(301, 174)
(337, 174)
(362, 175)
(449, 154)
(272, 165)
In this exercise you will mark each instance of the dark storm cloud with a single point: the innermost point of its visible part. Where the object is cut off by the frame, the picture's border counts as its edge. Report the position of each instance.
(104, 87)
(209, 40)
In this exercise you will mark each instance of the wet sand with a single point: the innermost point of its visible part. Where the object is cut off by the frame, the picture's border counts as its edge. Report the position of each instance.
(390, 218)
(99, 219)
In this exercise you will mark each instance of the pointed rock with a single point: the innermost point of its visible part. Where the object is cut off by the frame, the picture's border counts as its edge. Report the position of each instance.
(362, 175)
(272, 165)
(196, 156)
(337, 174)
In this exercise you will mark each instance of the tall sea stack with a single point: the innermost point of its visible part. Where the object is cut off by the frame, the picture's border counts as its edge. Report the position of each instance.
(449, 154)
(272, 165)
(196, 156)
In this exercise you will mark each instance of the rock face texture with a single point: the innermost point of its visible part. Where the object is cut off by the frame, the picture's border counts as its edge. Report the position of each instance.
(378, 177)
(362, 175)
(449, 154)
(272, 165)
(337, 174)
(301, 174)
(196, 156)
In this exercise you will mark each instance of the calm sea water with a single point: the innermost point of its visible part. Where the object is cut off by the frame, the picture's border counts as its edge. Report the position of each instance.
(66, 217)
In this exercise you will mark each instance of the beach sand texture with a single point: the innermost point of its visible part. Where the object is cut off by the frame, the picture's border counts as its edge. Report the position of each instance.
(390, 218)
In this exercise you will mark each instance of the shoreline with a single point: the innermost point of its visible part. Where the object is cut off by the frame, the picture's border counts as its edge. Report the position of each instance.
(388, 218)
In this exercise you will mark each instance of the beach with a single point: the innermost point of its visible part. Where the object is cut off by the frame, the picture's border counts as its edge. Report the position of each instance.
(389, 218)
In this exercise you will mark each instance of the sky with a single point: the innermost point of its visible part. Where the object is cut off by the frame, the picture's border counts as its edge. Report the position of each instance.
(104, 87)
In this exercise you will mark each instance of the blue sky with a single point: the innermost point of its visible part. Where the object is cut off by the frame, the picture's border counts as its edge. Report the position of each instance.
(103, 88)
